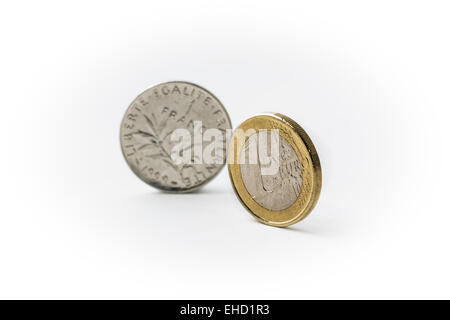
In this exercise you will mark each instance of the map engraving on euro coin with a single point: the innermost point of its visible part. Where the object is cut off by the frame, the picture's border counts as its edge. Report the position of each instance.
(147, 128)
(277, 191)
(280, 197)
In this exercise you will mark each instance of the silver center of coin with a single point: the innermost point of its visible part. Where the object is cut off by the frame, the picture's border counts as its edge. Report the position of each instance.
(148, 124)
(276, 191)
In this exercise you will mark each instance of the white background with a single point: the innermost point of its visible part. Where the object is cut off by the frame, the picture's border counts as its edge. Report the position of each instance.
(368, 80)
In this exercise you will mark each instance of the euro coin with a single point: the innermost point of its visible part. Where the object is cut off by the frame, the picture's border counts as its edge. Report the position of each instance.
(274, 169)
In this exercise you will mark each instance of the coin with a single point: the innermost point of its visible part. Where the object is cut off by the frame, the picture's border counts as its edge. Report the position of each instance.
(274, 169)
(148, 129)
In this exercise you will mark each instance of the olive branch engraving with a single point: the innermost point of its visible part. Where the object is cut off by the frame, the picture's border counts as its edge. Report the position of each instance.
(155, 137)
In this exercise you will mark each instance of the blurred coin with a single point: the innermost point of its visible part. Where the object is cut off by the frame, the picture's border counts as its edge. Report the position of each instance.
(150, 136)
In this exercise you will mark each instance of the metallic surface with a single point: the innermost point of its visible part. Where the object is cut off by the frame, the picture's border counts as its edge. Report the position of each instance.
(277, 191)
(148, 124)
(277, 211)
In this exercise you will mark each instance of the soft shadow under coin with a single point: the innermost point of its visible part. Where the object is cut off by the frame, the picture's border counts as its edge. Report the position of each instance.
(196, 192)
(160, 200)
(306, 230)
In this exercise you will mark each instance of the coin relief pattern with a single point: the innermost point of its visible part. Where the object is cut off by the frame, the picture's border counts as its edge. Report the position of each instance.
(147, 127)
(273, 192)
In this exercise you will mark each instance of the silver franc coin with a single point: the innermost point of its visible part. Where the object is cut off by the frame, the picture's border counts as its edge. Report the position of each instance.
(148, 140)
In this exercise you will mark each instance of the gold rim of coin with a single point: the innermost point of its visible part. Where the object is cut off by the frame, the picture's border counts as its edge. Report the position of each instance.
(311, 174)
